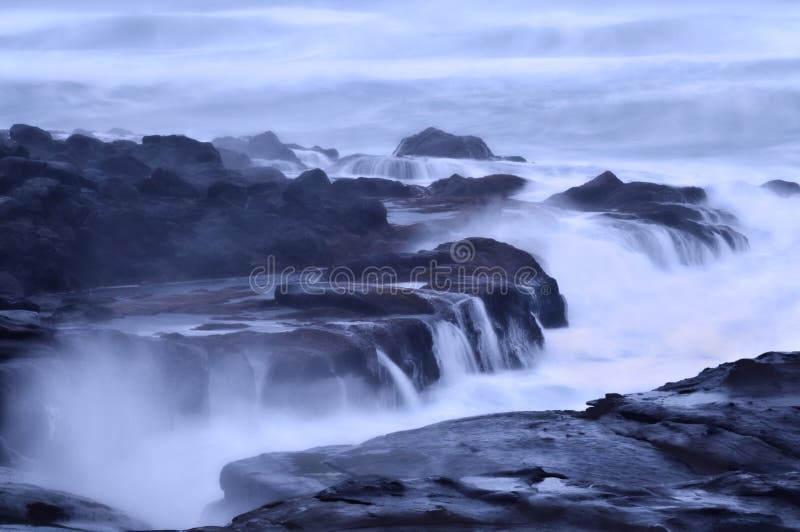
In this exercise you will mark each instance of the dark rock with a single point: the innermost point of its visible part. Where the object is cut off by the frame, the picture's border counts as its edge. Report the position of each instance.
(264, 175)
(330, 153)
(10, 286)
(351, 299)
(10, 148)
(227, 194)
(118, 188)
(166, 183)
(37, 141)
(608, 192)
(457, 186)
(268, 146)
(9, 208)
(468, 265)
(782, 188)
(15, 170)
(375, 187)
(123, 165)
(514, 159)
(651, 461)
(174, 151)
(82, 149)
(434, 142)
(681, 209)
(194, 161)
(234, 160)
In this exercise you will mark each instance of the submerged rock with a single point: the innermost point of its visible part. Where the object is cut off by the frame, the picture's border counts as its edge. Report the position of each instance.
(706, 453)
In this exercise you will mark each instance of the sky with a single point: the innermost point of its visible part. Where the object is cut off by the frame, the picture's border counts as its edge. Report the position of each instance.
(534, 78)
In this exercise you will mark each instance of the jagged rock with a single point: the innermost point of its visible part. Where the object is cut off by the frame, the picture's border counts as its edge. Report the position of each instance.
(681, 209)
(782, 188)
(434, 142)
(608, 192)
(703, 454)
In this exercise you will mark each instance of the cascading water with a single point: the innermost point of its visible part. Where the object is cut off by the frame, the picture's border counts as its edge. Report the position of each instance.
(313, 158)
(471, 313)
(408, 393)
(422, 170)
(453, 351)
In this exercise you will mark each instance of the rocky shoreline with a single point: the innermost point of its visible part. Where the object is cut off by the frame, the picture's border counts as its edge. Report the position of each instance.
(175, 225)
(718, 451)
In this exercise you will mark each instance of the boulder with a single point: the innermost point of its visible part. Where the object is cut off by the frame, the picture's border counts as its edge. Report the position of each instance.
(174, 151)
(37, 141)
(433, 142)
(457, 186)
(468, 265)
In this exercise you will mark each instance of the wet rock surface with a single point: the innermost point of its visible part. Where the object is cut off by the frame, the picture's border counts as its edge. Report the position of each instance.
(720, 451)
(681, 210)
(433, 142)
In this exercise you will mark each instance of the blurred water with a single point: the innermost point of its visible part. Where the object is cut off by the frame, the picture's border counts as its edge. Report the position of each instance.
(674, 92)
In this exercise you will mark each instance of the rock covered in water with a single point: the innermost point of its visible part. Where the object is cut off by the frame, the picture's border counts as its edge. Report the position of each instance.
(682, 210)
(718, 451)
